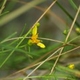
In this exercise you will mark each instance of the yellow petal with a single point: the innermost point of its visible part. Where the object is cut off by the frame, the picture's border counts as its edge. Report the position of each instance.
(34, 30)
(41, 45)
(71, 66)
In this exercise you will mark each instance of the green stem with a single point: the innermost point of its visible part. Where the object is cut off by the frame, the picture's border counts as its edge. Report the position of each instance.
(67, 13)
(73, 4)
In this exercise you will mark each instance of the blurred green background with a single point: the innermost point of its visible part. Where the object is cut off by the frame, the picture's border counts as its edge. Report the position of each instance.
(52, 26)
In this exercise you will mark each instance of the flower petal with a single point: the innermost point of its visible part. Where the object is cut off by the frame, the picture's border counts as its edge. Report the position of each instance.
(71, 66)
(34, 30)
(41, 45)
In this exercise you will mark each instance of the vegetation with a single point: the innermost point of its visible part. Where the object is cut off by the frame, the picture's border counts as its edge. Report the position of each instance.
(40, 40)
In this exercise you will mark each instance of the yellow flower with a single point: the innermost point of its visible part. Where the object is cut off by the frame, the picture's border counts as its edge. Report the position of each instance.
(34, 38)
(71, 66)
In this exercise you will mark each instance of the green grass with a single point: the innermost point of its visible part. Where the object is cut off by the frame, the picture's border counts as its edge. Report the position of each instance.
(51, 62)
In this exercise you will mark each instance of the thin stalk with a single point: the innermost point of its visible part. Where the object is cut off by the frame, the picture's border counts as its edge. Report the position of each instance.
(67, 13)
(3, 6)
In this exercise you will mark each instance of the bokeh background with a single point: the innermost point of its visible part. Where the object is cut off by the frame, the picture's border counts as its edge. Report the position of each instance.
(52, 26)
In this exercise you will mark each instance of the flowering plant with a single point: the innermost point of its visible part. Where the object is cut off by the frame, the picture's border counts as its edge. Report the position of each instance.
(34, 37)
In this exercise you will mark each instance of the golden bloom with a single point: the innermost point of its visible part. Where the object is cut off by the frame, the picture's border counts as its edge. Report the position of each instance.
(34, 38)
(71, 66)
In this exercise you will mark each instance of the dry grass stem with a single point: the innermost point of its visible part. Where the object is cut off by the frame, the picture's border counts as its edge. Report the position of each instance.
(65, 40)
